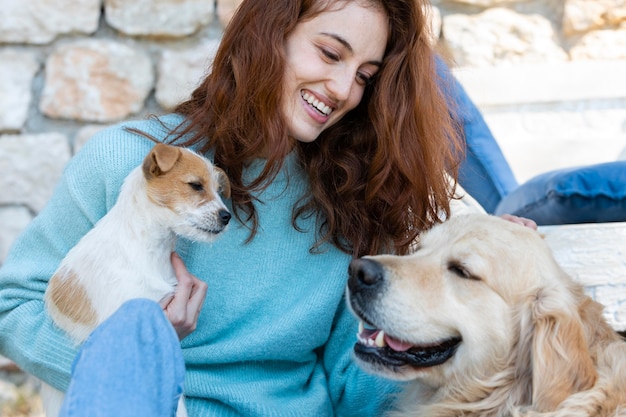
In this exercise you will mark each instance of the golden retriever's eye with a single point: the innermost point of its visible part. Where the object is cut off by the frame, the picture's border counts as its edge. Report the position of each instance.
(196, 186)
(460, 271)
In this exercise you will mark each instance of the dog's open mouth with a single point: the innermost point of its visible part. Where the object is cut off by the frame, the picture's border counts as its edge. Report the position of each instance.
(376, 346)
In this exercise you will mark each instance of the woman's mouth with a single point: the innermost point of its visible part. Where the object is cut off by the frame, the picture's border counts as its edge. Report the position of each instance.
(320, 107)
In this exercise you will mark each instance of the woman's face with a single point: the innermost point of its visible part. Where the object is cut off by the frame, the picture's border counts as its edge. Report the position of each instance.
(330, 59)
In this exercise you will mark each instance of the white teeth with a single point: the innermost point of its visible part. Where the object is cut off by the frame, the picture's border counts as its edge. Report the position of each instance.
(380, 339)
(378, 342)
(316, 103)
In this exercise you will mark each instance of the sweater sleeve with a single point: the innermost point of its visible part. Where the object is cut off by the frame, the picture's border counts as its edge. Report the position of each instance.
(88, 187)
(353, 392)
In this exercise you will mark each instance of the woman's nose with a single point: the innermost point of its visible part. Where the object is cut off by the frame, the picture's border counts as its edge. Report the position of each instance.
(341, 83)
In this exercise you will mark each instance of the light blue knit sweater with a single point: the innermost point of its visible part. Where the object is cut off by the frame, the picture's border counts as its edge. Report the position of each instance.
(274, 337)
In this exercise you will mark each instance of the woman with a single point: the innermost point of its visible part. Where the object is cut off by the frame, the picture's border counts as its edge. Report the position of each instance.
(328, 118)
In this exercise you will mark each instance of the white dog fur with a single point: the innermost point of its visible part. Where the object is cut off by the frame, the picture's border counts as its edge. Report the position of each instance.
(482, 322)
(174, 193)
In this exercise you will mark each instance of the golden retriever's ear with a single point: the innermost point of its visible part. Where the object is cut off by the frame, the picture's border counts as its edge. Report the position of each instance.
(561, 362)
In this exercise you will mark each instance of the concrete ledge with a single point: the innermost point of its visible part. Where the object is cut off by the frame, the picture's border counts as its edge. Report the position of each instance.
(595, 255)
(545, 83)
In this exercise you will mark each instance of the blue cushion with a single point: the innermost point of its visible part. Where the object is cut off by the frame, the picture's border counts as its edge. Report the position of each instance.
(589, 194)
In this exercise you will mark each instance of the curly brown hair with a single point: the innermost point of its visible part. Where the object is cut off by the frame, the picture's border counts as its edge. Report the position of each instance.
(378, 176)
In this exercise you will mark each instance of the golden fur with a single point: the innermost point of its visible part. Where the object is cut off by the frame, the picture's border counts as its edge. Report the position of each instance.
(484, 322)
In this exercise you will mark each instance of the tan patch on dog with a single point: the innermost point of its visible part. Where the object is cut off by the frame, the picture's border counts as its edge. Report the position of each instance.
(70, 298)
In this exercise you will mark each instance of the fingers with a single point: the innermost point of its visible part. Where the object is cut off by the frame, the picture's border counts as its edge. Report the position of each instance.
(183, 307)
(520, 220)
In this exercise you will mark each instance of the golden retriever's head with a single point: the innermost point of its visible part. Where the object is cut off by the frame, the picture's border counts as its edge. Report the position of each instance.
(455, 309)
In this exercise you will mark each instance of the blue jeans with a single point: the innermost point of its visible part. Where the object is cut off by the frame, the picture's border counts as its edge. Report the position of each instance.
(131, 365)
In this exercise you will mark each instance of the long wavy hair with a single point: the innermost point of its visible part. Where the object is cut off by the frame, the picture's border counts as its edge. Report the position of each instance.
(378, 176)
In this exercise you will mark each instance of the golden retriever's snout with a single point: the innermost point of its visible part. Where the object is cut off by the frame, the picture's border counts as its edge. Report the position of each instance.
(365, 275)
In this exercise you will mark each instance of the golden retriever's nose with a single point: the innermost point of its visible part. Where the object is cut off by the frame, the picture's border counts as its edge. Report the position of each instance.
(365, 273)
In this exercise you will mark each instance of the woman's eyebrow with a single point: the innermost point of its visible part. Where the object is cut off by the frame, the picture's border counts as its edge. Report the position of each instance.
(347, 45)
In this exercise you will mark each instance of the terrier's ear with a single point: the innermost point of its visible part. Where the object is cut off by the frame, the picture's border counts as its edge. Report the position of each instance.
(223, 181)
(160, 160)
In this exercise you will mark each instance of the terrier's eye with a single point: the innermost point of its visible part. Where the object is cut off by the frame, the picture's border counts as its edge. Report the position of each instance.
(196, 186)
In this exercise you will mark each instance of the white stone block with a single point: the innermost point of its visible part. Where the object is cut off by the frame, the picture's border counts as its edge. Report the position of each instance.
(500, 36)
(181, 71)
(580, 16)
(173, 18)
(595, 256)
(41, 21)
(17, 70)
(30, 167)
(96, 80)
(601, 45)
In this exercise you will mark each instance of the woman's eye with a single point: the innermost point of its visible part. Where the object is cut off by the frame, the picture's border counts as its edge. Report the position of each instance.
(330, 55)
(196, 186)
(364, 79)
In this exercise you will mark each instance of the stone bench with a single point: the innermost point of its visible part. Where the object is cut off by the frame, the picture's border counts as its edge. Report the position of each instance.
(594, 255)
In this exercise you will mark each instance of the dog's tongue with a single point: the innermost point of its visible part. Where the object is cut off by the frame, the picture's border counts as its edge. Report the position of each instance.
(397, 345)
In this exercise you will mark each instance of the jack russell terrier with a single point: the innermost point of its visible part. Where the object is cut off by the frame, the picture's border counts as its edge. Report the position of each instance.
(174, 193)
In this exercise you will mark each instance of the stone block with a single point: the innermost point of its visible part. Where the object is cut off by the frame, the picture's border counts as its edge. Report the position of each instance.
(601, 45)
(485, 3)
(30, 167)
(181, 71)
(96, 80)
(169, 18)
(501, 36)
(17, 70)
(595, 256)
(580, 16)
(41, 21)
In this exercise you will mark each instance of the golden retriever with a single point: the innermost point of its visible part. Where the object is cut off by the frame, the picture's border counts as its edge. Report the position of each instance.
(482, 321)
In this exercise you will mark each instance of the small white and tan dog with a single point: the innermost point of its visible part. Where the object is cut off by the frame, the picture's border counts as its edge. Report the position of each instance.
(174, 193)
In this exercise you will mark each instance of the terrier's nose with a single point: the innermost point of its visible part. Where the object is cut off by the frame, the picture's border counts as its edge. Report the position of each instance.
(224, 216)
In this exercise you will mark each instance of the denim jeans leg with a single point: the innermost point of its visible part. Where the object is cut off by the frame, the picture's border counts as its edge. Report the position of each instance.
(130, 366)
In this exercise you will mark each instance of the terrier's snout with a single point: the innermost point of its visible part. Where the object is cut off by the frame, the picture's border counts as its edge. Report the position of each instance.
(224, 216)
(365, 274)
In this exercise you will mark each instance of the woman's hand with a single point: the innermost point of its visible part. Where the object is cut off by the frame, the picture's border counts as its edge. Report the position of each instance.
(520, 220)
(183, 307)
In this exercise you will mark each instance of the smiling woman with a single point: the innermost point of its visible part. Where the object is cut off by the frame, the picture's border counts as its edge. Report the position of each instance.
(329, 119)
(329, 65)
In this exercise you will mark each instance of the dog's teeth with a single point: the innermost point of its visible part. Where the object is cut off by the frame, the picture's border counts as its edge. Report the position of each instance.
(380, 339)
(361, 327)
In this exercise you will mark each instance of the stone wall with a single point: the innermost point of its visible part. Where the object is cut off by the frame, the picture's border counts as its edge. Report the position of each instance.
(70, 67)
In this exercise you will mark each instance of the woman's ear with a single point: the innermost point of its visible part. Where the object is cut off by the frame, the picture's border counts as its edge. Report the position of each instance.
(560, 358)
